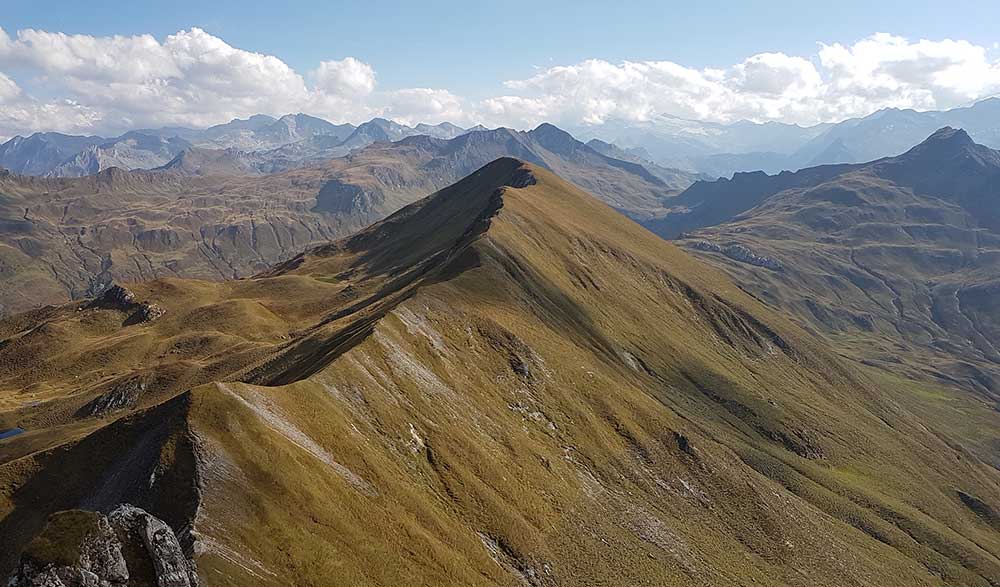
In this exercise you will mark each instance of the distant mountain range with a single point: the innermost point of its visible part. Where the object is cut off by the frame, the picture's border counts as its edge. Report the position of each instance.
(897, 259)
(269, 145)
(720, 150)
(215, 213)
(266, 144)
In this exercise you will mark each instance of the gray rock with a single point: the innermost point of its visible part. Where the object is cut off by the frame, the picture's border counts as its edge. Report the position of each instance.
(739, 253)
(172, 568)
(115, 297)
(87, 549)
(147, 312)
(77, 548)
(122, 395)
(120, 298)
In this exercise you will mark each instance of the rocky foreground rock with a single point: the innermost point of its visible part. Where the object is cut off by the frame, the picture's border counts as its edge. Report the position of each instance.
(128, 547)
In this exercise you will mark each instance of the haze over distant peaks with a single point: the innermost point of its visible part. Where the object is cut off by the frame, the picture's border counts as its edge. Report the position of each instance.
(722, 149)
(273, 144)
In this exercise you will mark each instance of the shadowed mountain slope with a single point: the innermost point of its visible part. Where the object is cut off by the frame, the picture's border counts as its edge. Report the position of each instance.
(506, 383)
(898, 259)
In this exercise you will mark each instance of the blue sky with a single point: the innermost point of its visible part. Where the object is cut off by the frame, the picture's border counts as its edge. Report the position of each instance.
(87, 66)
(470, 46)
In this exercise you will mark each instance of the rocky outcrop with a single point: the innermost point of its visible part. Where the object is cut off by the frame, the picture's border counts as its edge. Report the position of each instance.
(115, 297)
(143, 534)
(88, 549)
(120, 298)
(146, 312)
(122, 395)
(739, 253)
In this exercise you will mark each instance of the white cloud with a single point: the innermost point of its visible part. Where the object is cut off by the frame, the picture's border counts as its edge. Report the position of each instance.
(514, 111)
(9, 90)
(347, 76)
(115, 58)
(928, 74)
(110, 84)
(191, 78)
(415, 105)
(844, 81)
(776, 74)
(19, 111)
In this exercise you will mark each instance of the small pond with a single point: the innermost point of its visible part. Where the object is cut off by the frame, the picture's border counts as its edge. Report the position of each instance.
(10, 432)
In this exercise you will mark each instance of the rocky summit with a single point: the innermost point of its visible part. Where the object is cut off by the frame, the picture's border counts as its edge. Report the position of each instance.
(504, 383)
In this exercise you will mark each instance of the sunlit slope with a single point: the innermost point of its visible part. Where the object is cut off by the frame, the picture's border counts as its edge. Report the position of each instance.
(507, 383)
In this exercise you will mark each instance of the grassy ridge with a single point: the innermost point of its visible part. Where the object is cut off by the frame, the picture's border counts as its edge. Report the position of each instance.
(534, 391)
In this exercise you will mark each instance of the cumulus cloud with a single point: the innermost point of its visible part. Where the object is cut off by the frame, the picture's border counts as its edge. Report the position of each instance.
(193, 78)
(9, 90)
(839, 82)
(415, 105)
(346, 77)
(20, 111)
(892, 71)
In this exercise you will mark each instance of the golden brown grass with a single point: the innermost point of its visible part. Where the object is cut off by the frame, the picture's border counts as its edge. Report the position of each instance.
(555, 397)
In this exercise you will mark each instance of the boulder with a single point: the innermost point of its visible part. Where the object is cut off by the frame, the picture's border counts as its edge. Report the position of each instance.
(128, 547)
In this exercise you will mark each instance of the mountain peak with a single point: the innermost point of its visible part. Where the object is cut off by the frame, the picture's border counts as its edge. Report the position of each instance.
(955, 136)
(554, 138)
(550, 130)
(947, 143)
(439, 225)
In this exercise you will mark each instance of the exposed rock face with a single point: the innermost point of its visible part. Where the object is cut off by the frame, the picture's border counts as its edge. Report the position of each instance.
(136, 528)
(83, 549)
(117, 297)
(147, 312)
(120, 396)
(740, 253)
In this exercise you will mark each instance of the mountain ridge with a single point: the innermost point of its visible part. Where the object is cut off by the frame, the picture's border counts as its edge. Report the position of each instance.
(505, 383)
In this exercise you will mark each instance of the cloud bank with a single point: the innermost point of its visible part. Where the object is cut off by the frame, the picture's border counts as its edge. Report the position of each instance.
(87, 84)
